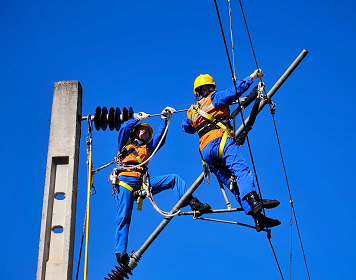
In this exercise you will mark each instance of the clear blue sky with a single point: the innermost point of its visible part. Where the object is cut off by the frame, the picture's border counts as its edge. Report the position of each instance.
(146, 54)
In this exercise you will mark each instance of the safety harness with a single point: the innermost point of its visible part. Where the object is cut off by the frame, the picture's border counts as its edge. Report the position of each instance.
(211, 124)
(139, 194)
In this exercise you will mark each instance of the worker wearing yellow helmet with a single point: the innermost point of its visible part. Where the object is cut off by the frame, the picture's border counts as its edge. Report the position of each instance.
(209, 117)
(136, 143)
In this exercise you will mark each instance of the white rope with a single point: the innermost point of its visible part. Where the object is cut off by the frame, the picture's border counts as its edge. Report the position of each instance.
(232, 41)
(163, 213)
(156, 149)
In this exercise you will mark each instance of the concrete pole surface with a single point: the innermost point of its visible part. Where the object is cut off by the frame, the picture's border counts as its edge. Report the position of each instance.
(55, 256)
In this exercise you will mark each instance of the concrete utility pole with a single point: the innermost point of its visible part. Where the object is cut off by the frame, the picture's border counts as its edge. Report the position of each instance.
(55, 257)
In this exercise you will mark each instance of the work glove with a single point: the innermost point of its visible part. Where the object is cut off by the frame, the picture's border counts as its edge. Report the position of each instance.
(141, 116)
(167, 111)
(257, 74)
(242, 137)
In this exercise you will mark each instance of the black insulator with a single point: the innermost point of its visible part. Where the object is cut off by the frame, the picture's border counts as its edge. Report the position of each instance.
(125, 114)
(111, 118)
(131, 113)
(118, 274)
(104, 118)
(113, 277)
(118, 121)
(122, 271)
(97, 121)
(127, 269)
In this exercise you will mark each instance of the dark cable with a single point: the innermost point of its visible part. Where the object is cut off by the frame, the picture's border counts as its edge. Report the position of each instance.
(81, 245)
(290, 195)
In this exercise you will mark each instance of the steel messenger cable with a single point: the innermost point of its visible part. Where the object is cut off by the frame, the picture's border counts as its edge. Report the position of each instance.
(280, 151)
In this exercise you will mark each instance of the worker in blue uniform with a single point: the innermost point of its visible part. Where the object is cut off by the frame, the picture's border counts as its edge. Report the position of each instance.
(136, 143)
(209, 117)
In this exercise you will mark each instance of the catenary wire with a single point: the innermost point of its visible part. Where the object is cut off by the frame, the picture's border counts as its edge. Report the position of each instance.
(280, 150)
(290, 196)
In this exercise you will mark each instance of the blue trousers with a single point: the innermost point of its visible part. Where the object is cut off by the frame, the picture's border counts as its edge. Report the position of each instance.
(125, 201)
(232, 162)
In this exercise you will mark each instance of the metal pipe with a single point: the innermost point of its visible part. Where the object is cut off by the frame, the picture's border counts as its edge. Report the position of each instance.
(212, 211)
(137, 255)
(228, 204)
(229, 222)
(276, 86)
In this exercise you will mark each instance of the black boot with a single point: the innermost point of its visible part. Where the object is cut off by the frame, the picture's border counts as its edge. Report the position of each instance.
(255, 202)
(270, 203)
(196, 205)
(122, 258)
(261, 222)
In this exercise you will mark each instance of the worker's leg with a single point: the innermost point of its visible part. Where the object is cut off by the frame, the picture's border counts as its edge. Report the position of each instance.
(124, 203)
(223, 174)
(236, 163)
(169, 181)
(232, 161)
(179, 187)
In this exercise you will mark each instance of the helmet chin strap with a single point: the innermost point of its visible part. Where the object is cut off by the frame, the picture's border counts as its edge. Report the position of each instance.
(138, 140)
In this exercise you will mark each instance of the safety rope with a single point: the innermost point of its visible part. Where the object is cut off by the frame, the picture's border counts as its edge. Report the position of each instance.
(89, 192)
(142, 163)
(233, 58)
(81, 245)
(163, 213)
(243, 122)
(232, 41)
(148, 190)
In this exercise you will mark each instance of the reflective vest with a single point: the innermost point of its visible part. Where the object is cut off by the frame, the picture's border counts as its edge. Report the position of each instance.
(196, 119)
(139, 155)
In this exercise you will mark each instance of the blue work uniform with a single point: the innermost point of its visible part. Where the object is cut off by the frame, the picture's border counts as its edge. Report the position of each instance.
(232, 161)
(124, 198)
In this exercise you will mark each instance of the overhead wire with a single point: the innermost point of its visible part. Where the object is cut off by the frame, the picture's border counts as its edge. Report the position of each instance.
(290, 196)
(279, 145)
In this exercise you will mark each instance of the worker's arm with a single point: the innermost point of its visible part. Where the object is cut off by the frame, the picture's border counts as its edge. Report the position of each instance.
(187, 127)
(224, 98)
(124, 132)
(158, 136)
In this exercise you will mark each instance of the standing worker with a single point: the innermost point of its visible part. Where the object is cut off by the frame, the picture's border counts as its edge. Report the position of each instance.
(135, 147)
(209, 117)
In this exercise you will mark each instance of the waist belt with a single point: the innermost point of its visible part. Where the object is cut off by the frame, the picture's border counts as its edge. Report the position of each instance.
(142, 169)
(128, 187)
(205, 127)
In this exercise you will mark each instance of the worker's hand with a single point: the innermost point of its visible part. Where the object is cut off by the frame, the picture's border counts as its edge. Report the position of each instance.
(257, 74)
(141, 116)
(242, 137)
(167, 111)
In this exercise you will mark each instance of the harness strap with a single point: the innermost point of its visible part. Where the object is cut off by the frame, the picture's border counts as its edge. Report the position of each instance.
(218, 123)
(222, 144)
(128, 187)
(124, 152)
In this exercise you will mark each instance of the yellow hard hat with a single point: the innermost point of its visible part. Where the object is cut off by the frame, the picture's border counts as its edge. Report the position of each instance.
(203, 79)
(132, 134)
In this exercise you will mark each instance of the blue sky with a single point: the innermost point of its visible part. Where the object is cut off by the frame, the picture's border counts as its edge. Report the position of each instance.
(146, 54)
